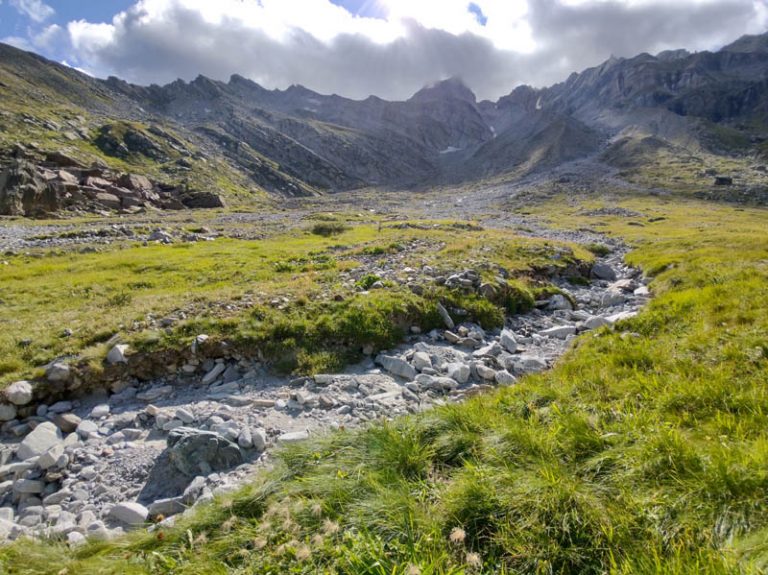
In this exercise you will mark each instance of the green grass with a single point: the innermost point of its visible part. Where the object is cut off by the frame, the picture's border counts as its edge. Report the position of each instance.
(116, 291)
(644, 451)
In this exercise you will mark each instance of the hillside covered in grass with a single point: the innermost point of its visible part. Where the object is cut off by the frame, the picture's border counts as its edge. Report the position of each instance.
(644, 451)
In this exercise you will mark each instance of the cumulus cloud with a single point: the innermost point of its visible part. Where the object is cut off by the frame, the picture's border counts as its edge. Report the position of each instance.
(36, 10)
(324, 47)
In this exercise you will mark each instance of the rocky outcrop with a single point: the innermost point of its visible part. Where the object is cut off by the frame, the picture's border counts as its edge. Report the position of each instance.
(25, 192)
(39, 184)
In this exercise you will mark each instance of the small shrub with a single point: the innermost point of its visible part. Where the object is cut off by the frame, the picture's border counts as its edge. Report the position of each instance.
(367, 281)
(599, 250)
(328, 229)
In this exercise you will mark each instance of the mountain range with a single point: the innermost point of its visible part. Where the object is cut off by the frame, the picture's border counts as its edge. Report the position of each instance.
(697, 113)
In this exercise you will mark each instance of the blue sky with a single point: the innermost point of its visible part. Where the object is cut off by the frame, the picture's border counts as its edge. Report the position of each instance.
(389, 48)
(13, 22)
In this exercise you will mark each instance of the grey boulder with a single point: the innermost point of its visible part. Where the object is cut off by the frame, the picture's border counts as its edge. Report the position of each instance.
(40, 440)
(195, 452)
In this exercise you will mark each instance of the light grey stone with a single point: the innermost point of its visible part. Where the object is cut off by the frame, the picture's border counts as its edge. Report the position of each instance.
(129, 513)
(40, 440)
(185, 416)
(559, 332)
(503, 377)
(33, 486)
(293, 437)
(100, 411)
(612, 298)
(396, 366)
(167, 507)
(421, 361)
(58, 372)
(117, 354)
(445, 316)
(87, 428)
(486, 372)
(595, 322)
(7, 412)
(193, 451)
(19, 393)
(508, 341)
(51, 457)
(458, 371)
(213, 375)
(75, 539)
(259, 437)
(155, 393)
(559, 302)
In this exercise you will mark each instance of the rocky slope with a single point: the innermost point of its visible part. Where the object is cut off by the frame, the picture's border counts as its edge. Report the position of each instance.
(296, 142)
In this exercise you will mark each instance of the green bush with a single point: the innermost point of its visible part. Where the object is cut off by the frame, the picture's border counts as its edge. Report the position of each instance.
(328, 229)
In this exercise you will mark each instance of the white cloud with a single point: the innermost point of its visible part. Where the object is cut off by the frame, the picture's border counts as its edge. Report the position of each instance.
(36, 10)
(48, 37)
(323, 46)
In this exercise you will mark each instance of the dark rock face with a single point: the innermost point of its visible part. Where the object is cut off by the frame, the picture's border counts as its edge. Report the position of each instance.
(193, 199)
(195, 452)
(24, 192)
(121, 141)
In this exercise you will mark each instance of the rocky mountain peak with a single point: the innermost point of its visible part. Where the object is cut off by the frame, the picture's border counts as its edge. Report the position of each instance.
(749, 44)
(451, 89)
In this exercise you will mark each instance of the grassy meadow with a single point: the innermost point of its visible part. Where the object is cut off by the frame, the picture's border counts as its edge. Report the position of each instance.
(228, 288)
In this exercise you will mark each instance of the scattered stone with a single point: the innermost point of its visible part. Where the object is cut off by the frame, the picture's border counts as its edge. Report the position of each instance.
(603, 272)
(67, 422)
(560, 332)
(486, 372)
(60, 407)
(76, 539)
(213, 375)
(259, 437)
(293, 437)
(7, 412)
(129, 513)
(185, 416)
(559, 302)
(19, 393)
(117, 354)
(51, 457)
(167, 507)
(508, 341)
(40, 440)
(194, 451)
(396, 366)
(25, 486)
(595, 322)
(421, 361)
(459, 372)
(58, 372)
(86, 428)
(445, 316)
(612, 298)
(154, 393)
(100, 411)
